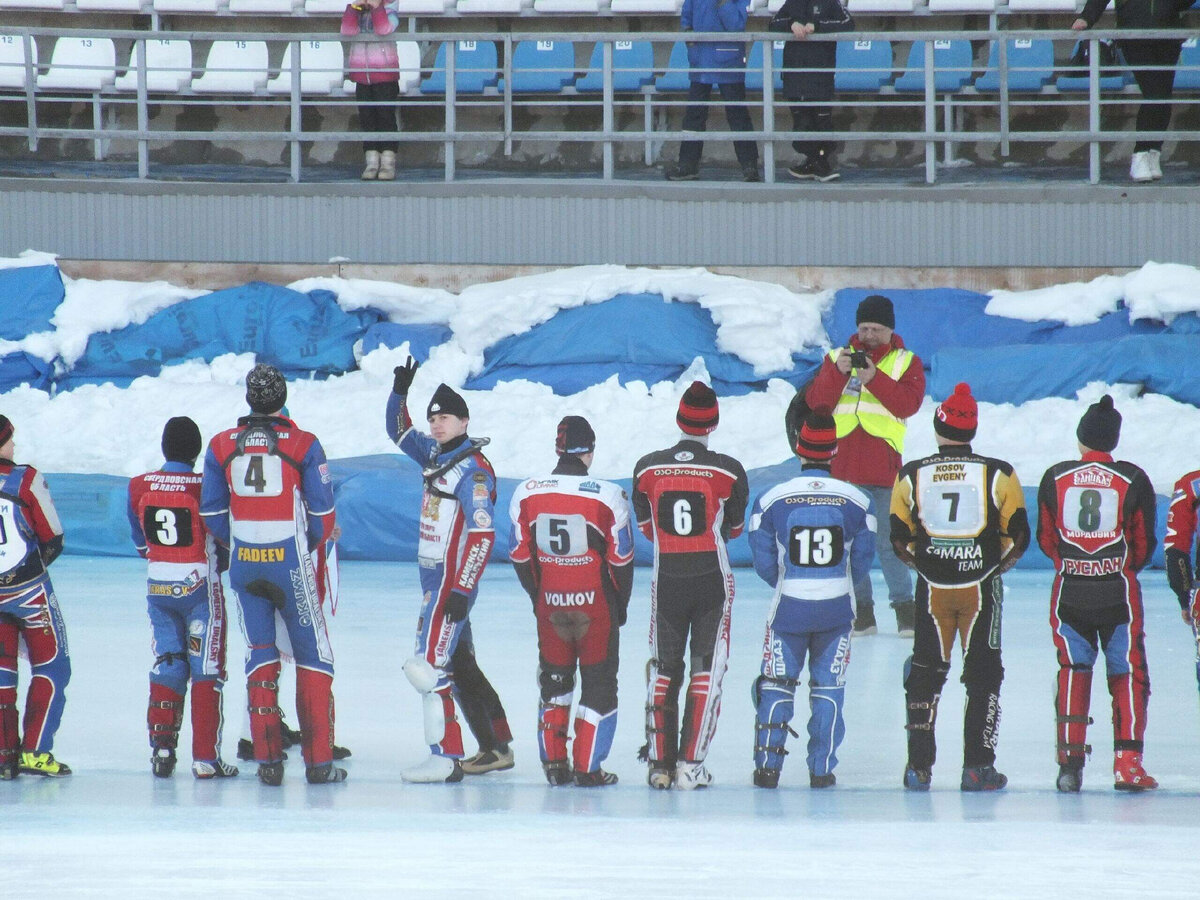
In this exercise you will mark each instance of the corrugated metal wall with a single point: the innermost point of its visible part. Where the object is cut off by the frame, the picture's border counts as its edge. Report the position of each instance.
(558, 223)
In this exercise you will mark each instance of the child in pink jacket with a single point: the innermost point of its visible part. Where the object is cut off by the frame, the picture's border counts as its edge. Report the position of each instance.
(375, 70)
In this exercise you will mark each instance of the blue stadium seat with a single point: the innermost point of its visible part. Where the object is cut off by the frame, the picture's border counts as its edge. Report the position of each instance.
(754, 66)
(863, 65)
(676, 77)
(632, 67)
(1030, 67)
(474, 69)
(951, 67)
(1114, 82)
(1187, 77)
(541, 67)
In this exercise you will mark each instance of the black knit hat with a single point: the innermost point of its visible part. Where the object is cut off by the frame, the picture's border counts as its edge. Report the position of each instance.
(6, 430)
(698, 410)
(1100, 427)
(957, 417)
(446, 401)
(266, 389)
(817, 439)
(877, 309)
(181, 440)
(575, 437)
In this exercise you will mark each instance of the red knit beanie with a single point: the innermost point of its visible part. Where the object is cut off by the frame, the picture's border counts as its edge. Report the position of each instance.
(958, 416)
(698, 413)
(818, 436)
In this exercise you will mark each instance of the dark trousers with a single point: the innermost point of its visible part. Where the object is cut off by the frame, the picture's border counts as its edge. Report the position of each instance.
(815, 120)
(695, 118)
(377, 111)
(1156, 85)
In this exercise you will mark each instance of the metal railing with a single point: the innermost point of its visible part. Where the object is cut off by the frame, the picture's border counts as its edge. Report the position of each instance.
(649, 106)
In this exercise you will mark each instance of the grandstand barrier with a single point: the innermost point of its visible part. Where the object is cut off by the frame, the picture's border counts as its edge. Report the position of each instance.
(281, 76)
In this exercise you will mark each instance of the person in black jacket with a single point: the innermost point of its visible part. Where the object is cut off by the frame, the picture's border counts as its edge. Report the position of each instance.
(808, 78)
(1156, 83)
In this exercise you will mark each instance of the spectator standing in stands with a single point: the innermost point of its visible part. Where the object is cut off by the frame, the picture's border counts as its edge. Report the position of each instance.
(1153, 62)
(808, 78)
(375, 70)
(720, 63)
(873, 385)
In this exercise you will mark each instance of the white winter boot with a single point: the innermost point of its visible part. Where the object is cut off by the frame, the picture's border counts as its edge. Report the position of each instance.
(1155, 164)
(1140, 167)
(434, 770)
(371, 172)
(387, 165)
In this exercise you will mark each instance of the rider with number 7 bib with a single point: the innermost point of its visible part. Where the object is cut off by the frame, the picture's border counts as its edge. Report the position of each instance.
(959, 519)
(268, 496)
(689, 500)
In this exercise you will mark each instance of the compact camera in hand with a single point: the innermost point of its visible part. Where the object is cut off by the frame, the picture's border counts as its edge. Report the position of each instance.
(858, 359)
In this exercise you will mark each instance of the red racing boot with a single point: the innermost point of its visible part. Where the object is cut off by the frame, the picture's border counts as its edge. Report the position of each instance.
(1129, 774)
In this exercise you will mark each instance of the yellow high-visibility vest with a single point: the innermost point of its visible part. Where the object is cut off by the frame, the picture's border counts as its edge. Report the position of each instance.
(862, 409)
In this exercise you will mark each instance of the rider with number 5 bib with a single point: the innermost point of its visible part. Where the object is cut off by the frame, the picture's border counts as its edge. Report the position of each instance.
(689, 501)
(268, 496)
(1096, 523)
(959, 519)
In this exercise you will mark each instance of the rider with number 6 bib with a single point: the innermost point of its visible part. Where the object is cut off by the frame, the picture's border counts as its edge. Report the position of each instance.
(1096, 523)
(268, 496)
(185, 602)
(689, 501)
(959, 519)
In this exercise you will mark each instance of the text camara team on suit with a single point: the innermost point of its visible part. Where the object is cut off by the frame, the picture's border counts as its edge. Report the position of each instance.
(263, 509)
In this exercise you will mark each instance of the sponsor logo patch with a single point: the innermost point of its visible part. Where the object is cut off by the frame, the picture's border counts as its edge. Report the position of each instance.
(482, 519)
(685, 456)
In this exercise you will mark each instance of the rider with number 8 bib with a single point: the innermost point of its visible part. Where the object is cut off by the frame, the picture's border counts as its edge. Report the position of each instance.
(689, 501)
(959, 519)
(268, 496)
(1096, 523)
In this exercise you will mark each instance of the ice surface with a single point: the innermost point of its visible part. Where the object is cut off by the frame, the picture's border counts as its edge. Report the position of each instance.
(113, 830)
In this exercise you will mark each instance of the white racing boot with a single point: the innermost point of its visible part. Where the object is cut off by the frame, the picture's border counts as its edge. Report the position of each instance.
(434, 770)
(691, 776)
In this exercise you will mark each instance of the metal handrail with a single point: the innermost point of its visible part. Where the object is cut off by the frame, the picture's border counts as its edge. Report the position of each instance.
(608, 101)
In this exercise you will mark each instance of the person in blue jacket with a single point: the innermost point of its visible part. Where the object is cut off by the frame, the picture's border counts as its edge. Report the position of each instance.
(812, 539)
(720, 63)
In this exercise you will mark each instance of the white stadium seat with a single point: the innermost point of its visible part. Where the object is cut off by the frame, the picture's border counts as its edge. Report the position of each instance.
(569, 7)
(264, 7)
(177, 6)
(409, 53)
(234, 67)
(322, 69)
(168, 67)
(80, 64)
(887, 6)
(324, 7)
(129, 6)
(423, 7)
(493, 7)
(31, 4)
(647, 6)
(12, 61)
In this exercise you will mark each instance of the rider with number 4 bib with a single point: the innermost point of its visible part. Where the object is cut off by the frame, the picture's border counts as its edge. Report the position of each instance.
(959, 519)
(689, 501)
(1096, 523)
(268, 496)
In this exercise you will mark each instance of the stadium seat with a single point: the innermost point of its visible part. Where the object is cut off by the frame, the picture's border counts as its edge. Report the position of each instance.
(128, 6)
(32, 4)
(422, 7)
(632, 67)
(475, 69)
(1187, 76)
(951, 6)
(80, 64)
(1076, 83)
(676, 77)
(881, 6)
(409, 55)
(492, 7)
(1042, 6)
(265, 7)
(234, 67)
(652, 7)
(541, 67)
(1030, 67)
(178, 6)
(566, 7)
(754, 66)
(322, 69)
(12, 61)
(864, 66)
(168, 67)
(324, 7)
(951, 67)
